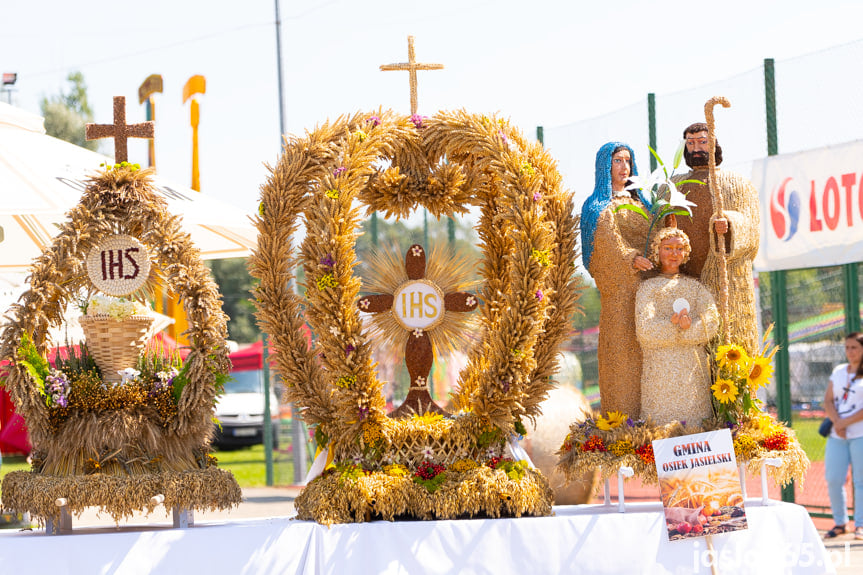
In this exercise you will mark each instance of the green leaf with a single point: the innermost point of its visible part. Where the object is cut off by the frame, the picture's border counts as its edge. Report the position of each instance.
(747, 402)
(678, 184)
(681, 212)
(678, 155)
(655, 155)
(633, 208)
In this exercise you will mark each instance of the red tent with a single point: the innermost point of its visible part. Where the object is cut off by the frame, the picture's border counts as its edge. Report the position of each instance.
(13, 431)
(252, 356)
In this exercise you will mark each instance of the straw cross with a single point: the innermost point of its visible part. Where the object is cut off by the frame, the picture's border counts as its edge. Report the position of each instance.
(412, 66)
(119, 130)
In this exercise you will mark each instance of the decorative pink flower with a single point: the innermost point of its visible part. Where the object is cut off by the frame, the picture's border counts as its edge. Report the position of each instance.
(348, 349)
(418, 120)
(539, 294)
(375, 120)
(339, 171)
(537, 196)
(328, 261)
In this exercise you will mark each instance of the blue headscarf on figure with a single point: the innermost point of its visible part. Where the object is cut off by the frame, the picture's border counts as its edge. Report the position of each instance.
(601, 197)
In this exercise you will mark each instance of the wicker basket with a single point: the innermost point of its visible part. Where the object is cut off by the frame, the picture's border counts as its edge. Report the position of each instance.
(115, 345)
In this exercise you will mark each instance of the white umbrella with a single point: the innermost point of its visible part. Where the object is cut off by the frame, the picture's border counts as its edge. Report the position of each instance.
(42, 177)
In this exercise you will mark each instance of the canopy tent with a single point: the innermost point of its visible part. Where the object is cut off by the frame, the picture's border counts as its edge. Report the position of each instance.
(42, 177)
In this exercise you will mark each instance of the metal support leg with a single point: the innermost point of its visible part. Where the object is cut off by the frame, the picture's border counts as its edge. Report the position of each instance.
(183, 518)
(621, 473)
(63, 524)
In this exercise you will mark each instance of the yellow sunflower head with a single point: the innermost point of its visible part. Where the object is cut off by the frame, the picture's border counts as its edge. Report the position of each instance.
(731, 355)
(603, 424)
(724, 390)
(760, 370)
(615, 419)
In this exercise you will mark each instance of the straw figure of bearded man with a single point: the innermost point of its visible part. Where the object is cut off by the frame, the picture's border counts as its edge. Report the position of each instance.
(740, 222)
(675, 319)
(612, 243)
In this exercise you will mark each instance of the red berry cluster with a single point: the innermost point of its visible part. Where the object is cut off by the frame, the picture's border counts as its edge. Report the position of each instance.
(429, 470)
(777, 441)
(645, 452)
(495, 461)
(594, 443)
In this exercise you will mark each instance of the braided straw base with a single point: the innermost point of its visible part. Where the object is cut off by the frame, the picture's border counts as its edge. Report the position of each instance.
(202, 489)
(480, 492)
(115, 345)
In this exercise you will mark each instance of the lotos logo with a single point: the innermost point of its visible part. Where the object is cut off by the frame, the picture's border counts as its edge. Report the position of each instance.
(784, 210)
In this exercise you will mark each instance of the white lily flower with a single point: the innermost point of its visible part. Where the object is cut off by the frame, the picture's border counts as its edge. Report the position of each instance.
(677, 199)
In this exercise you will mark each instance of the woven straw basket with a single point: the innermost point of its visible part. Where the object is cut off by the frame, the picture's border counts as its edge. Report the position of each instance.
(115, 345)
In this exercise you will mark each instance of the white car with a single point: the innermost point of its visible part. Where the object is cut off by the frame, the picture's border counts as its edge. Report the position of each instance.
(240, 411)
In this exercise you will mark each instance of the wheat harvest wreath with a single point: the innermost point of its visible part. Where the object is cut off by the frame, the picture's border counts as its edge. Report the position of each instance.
(100, 440)
(427, 464)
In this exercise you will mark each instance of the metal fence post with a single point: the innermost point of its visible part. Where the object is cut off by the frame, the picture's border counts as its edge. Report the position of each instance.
(268, 421)
(851, 293)
(777, 279)
(651, 127)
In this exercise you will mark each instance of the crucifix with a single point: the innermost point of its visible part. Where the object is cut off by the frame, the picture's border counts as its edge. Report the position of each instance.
(119, 130)
(412, 66)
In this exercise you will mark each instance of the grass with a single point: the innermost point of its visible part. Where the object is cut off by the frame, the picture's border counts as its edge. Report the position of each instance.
(248, 465)
(807, 433)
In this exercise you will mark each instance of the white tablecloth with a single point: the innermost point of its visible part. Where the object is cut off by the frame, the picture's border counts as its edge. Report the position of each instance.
(578, 539)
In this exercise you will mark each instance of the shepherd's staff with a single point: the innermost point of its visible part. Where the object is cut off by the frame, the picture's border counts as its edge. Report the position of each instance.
(718, 206)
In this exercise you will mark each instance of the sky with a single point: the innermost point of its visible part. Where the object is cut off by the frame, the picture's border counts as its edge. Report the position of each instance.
(537, 63)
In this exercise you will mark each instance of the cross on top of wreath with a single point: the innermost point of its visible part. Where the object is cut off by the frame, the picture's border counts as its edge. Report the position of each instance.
(411, 66)
(119, 130)
(418, 306)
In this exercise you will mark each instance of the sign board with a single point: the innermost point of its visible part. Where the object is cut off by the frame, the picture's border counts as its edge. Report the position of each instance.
(811, 208)
(119, 265)
(699, 484)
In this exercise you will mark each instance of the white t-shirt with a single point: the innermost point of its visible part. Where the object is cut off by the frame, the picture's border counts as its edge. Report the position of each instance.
(847, 399)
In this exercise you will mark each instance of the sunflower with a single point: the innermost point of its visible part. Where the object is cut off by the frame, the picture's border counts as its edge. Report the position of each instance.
(613, 419)
(731, 355)
(724, 390)
(760, 371)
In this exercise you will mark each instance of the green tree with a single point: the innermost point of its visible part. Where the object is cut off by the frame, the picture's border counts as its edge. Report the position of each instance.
(589, 302)
(66, 113)
(235, 284)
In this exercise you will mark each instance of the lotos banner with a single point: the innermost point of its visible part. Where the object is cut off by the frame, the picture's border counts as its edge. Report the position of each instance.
(811, 208)
(699, 484)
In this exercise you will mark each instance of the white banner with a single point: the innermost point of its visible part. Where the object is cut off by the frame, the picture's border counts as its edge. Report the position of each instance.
(811, 208)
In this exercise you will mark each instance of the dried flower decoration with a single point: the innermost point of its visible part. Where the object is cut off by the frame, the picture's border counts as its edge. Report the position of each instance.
(327, 281)
(328, 261)
(542, 257)
(346, 381)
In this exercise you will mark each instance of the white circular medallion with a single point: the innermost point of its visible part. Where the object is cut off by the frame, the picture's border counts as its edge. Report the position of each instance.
(418, 304)
(679, 305)
(119, 265)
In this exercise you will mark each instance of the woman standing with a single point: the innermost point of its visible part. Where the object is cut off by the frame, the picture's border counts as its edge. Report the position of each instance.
(612, 243)
(843, 403)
